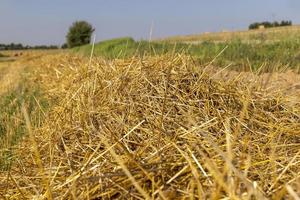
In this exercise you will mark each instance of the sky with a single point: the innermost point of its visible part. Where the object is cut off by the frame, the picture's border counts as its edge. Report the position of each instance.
(37, 22)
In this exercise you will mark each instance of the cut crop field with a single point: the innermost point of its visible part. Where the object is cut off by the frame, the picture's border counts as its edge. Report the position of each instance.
(146, 126)
(259, 35)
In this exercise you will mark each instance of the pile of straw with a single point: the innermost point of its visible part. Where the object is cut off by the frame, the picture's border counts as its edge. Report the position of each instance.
(155, 128)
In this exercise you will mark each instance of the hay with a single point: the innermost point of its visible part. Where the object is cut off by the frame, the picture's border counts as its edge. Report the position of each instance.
(157, 128)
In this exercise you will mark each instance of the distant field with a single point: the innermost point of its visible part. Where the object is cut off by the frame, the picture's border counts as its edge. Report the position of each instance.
(269, 49)
(6, 59)
(270, 35)
(2, 57)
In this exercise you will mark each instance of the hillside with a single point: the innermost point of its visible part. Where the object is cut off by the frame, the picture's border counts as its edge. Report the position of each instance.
(268, 35)
(265, 50)
(259, 35)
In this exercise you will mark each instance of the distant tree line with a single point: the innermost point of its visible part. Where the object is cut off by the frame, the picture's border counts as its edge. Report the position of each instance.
(80, 33)
(19, 46)
(267, 24)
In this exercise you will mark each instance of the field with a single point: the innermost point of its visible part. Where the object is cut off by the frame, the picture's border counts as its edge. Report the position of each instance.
(267, 50)
(152, 120)
(259, 35)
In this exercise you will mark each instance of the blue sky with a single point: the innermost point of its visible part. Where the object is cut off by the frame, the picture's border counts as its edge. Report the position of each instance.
(46, 21)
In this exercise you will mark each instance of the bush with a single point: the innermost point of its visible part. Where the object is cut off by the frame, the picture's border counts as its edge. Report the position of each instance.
(79, 34)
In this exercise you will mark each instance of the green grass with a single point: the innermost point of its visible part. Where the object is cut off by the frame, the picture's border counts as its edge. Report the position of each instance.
(12, 125)
(2, 56)
(124, 48)
(241, 55)
(5, 58)
(254, 55)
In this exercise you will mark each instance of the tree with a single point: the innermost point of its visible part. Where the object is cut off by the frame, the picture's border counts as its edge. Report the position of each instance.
(80, 33)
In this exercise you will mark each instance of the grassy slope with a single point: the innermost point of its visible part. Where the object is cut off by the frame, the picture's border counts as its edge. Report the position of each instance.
(125, 47)
(271, 50)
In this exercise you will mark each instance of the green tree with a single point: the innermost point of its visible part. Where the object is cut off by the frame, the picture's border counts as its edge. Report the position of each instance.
(80, 33)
